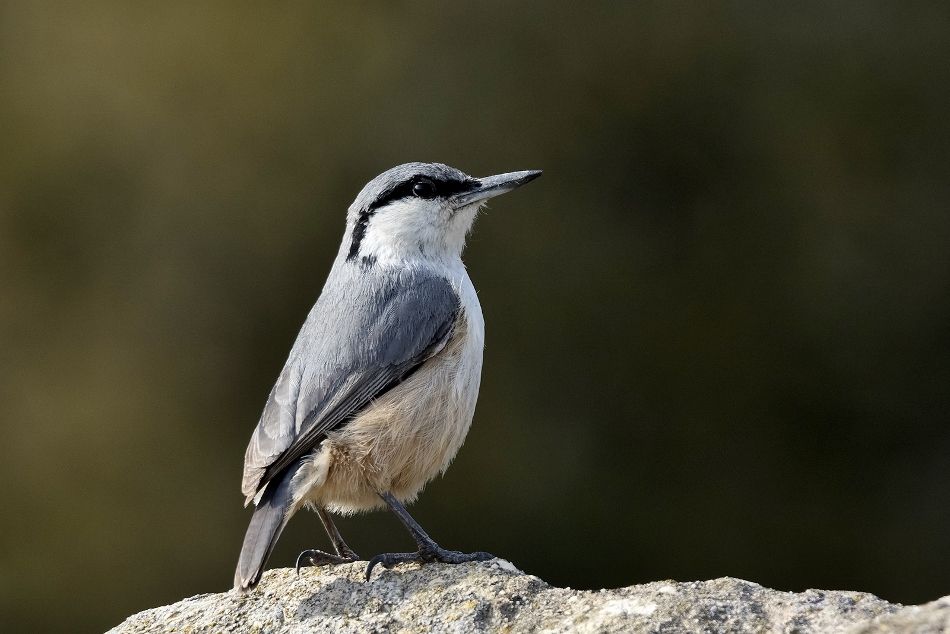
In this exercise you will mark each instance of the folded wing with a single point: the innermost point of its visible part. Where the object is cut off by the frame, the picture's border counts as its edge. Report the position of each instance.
(362, 337)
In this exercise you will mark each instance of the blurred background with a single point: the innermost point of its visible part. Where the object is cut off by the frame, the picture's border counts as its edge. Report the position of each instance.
(718, 327)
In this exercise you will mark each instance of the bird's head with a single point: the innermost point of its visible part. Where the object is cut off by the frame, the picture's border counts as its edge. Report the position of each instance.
(420, 210)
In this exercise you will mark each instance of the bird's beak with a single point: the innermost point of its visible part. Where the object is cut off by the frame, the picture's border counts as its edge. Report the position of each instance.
(491, 186)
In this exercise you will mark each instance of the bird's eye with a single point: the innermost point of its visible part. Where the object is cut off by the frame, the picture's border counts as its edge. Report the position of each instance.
(424, 189)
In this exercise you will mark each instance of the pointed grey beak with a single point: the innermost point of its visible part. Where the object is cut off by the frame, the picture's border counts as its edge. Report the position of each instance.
(491, 186)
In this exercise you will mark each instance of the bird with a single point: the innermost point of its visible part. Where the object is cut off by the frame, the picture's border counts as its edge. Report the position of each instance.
(379, 389)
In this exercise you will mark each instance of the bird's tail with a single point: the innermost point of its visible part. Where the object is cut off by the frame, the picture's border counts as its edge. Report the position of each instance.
(270, 516)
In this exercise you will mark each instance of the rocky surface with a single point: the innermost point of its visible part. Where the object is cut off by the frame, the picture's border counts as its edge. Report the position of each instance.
(496, 597)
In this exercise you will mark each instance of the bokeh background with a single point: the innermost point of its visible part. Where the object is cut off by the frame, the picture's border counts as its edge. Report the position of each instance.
(718, 327)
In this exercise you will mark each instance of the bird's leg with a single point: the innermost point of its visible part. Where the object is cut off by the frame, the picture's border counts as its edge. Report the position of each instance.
(344, 554)
(428, 551)
(338, 544)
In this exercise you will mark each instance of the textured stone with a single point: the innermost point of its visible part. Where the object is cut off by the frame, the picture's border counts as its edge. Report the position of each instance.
(495, 597)
(929, 618)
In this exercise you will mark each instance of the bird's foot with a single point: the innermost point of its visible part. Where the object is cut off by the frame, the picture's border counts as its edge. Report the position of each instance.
(321, 558)
(425, 555)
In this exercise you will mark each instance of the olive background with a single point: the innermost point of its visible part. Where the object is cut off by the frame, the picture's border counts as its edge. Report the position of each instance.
(718, 327)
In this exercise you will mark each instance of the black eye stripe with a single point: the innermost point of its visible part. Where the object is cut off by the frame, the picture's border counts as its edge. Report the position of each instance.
(443, 188)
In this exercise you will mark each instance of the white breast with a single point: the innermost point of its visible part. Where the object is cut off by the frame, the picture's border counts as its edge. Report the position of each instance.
(410, 434)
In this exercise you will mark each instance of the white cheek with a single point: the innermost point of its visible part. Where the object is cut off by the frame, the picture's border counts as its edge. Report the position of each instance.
(408, 229)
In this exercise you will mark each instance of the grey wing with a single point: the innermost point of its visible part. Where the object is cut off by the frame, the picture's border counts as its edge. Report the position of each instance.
(363, 337)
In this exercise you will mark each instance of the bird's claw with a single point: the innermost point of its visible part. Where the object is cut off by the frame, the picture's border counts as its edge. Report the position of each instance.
(320, 558)
(425, 556)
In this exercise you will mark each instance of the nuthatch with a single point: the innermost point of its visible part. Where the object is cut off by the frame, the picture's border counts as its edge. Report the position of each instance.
(379, 390)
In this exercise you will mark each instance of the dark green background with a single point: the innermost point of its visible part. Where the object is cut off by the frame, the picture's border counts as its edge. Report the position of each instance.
(718, 332)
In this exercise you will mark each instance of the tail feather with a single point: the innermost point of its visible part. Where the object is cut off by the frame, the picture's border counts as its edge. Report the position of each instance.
(270, 516)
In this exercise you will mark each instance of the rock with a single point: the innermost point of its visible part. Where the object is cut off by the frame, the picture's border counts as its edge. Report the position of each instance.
(495, 596)
(929, 618)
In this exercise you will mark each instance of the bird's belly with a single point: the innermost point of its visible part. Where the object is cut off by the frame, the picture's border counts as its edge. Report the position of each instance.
(406, 437)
